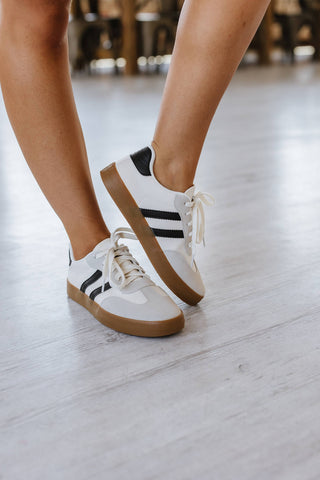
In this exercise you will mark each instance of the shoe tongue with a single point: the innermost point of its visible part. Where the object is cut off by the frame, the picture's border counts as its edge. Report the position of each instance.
(190, 191)
(104, 245)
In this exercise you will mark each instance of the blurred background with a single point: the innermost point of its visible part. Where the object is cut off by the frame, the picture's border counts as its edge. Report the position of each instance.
(132, 36)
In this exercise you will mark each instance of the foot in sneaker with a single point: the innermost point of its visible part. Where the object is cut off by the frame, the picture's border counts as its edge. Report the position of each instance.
(168, 224)
(110, 283)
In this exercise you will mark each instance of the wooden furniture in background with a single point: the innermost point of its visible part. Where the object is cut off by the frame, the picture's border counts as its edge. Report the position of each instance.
(300, 28)
(262, 41)
(266, 38)
(129, 36)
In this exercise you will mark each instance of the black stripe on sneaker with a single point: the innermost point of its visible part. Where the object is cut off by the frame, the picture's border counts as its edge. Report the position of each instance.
(161, 232)
(91, 280)
(98, 290)
(160, 214)
(70, 260)
(142, 160)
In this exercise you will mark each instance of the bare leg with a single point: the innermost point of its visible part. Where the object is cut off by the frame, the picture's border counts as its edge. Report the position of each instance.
(37, 91)
(212, 38)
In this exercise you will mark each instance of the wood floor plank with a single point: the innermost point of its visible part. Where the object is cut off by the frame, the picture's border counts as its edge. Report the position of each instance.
(236, 394)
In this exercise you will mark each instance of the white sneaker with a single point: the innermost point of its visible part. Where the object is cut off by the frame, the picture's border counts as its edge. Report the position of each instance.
(168, 224)
(110, 283)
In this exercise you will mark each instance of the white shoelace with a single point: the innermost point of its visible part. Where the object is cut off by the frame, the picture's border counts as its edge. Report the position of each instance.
(119, 266)
(197, 220)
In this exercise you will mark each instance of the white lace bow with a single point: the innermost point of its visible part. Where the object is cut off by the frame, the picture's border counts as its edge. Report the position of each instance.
(197, 219)
(119, 266)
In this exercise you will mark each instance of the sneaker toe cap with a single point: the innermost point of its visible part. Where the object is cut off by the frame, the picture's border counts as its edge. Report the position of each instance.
(183, 268)
(152, 304)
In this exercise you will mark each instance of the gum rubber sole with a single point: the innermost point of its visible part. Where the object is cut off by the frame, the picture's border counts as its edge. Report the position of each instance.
(138, 328)
(130, 210)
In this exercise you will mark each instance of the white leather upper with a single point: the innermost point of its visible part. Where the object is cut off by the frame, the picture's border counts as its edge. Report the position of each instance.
(148, 193)
(141, 299)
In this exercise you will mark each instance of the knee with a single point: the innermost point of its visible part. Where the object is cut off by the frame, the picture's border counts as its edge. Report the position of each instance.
(42, 23)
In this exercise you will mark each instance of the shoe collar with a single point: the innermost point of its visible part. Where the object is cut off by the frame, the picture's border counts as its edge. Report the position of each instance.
(103, 245)
(189, 192)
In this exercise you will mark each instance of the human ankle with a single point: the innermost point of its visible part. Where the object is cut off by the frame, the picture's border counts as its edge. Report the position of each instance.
(172, 173)
(81, 245)
(171, 178)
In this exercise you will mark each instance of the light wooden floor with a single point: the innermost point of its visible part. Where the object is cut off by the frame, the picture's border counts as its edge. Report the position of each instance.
(236, 395)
